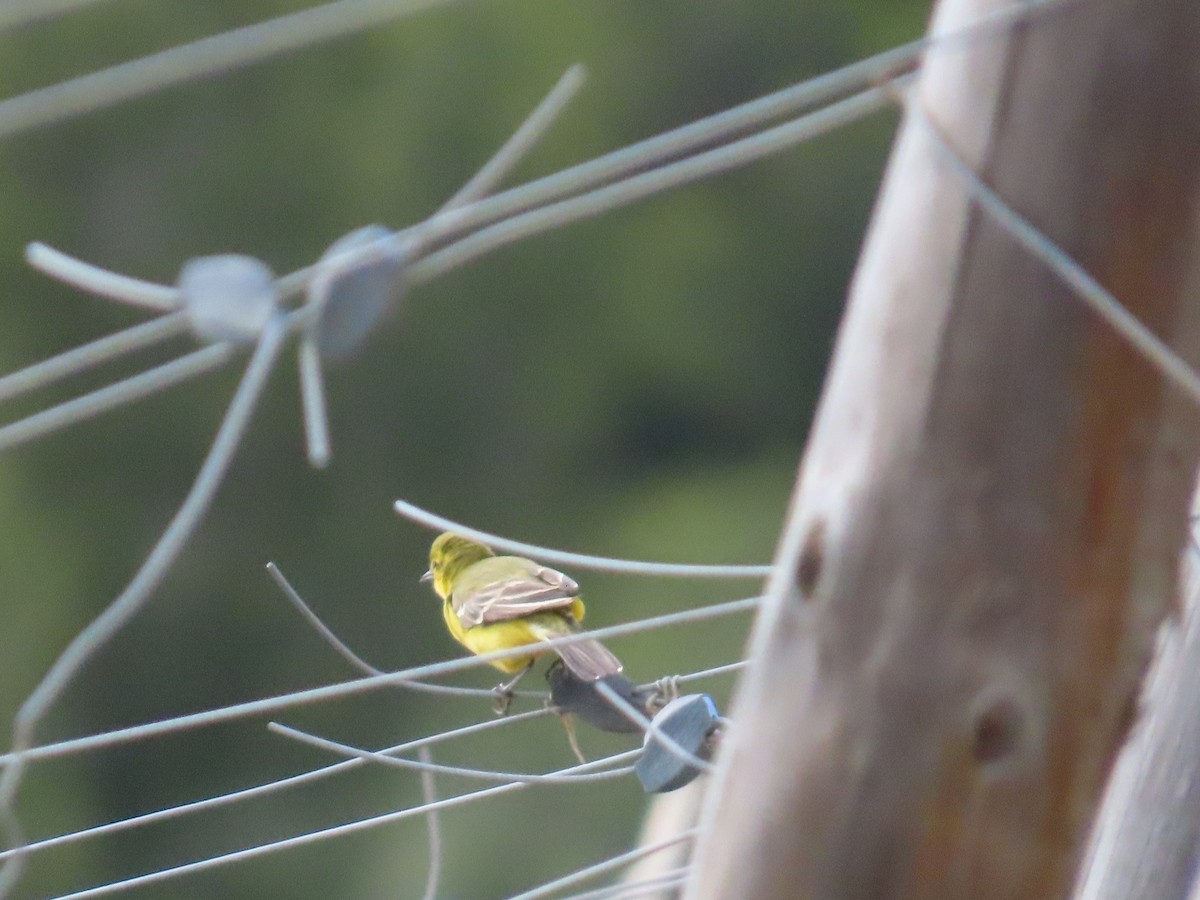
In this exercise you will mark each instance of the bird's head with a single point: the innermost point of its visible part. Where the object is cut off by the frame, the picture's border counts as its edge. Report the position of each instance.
(449, 555)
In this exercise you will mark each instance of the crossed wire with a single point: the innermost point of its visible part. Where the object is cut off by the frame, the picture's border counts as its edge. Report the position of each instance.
(599, 769)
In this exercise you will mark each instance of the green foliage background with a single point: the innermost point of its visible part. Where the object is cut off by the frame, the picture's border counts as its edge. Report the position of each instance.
(638, 385)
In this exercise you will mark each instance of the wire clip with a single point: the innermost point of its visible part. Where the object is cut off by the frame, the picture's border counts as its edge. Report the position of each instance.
(355, 282)
(691, 721)
(228, 297)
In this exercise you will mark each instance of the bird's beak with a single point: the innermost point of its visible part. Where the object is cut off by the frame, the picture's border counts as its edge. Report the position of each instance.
(428, 576)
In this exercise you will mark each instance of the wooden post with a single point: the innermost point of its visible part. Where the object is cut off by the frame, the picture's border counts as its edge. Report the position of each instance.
(988, 517)
(1146, 843)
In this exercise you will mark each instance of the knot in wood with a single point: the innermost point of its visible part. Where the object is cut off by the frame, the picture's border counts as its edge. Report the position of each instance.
(997, 730)
(812, 560)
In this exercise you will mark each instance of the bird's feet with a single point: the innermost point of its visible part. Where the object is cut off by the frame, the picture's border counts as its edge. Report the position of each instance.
(504, 693)
(661, 693)
(502, 698)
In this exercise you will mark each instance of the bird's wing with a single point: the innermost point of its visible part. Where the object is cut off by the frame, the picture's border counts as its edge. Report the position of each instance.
(514, 595)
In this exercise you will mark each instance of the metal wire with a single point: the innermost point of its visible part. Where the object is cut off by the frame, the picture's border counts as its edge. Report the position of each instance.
(433, 819)
(15, 13)
(121, 393)
(101, 282)
(580, 560)
(271, 705)
(95, 353)
(266, 788)
(675, 878)
(386, 759)
(326, 833)
(125, 606)
(604, 866)
(1099, 300)
(724, 126)
(362, 665)
(637, 187)
(224, 52)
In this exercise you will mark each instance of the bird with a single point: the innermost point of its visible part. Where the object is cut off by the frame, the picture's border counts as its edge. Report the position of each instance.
(492, 602)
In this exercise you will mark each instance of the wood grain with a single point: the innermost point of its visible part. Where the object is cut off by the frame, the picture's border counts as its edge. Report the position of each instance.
(987, 520)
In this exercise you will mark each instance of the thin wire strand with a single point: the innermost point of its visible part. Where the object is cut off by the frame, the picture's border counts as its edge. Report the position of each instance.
(120, 393)
(272, 705)
(721, 127)
(361, 664)
(511, 152)
(1099, 300)
(637, 187)
(455, 219)
(599, 171)
(13, 13)
(672, 879)
(517, 228)
(262, 790)
(726, 669)
(554, 215)
(398, 762)
(326, 833)
(218, 53)
(317, 774)
(314, 410)
(271, 787)
(654, 151)
(433, 828)
(524, 139)
(95, 353)
(579, 560)
(126, 605)
(99, 281)
(326, 633)
(605, 866)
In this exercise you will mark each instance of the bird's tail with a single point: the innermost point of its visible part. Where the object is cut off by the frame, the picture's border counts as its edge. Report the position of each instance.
(590, 660)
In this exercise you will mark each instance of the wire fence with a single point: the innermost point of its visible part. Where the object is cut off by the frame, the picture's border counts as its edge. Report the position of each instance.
(238, 310)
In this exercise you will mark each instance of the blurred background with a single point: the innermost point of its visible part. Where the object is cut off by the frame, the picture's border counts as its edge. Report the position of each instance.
(636, 385)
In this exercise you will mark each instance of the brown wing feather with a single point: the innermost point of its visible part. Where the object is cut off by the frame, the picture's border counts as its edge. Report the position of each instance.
(510, 598)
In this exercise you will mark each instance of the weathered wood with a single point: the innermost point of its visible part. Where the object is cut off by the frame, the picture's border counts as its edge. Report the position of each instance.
(988, 517)
(1146, 844)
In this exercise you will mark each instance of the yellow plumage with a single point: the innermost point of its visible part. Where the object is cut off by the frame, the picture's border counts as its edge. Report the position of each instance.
(514, 633)
(492, 603)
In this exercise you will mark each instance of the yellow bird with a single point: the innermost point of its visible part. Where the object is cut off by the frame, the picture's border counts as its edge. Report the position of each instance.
(494, 602)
